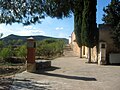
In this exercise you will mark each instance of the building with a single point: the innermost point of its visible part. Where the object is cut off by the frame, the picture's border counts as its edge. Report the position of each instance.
(99, 53)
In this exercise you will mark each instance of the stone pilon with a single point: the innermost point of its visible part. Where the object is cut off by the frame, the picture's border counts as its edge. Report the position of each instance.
(31, 45)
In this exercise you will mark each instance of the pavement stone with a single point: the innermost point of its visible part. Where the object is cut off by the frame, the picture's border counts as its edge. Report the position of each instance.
(70, 73)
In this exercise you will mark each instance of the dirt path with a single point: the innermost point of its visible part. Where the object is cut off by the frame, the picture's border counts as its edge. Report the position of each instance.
(70, 73)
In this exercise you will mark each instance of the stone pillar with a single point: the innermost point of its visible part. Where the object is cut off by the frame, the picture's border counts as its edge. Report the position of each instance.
(31, 45)
(102, 57)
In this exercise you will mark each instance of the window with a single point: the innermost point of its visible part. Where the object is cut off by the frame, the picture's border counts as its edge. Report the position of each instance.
(103, 46)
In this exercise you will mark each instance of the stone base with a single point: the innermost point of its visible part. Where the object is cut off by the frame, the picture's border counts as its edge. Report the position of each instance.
(42, 64)
(31, 67)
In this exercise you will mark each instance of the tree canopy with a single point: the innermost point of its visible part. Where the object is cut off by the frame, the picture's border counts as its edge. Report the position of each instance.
(21, 11)
(112, 13)
(32, 11)
(89, 26)
(78, 21)
(112, 17)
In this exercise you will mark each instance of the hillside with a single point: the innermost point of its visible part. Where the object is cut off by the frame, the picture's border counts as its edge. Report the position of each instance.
(24, 38)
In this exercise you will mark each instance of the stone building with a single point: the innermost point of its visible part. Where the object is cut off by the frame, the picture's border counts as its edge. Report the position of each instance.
(99, 53)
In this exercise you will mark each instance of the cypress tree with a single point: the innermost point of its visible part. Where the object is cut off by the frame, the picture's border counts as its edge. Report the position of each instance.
(78, 23)
(89, 26)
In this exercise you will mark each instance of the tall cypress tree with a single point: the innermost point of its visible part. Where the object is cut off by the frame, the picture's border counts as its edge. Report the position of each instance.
(78, 22)
(89, 27)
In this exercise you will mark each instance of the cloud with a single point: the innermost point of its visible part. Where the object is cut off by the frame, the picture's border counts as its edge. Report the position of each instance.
(30, 32)
(5, 31)
(23, 31)
(59, 28)
(28, 27)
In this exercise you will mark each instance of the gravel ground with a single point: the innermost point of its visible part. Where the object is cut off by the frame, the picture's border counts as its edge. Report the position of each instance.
(70, 73)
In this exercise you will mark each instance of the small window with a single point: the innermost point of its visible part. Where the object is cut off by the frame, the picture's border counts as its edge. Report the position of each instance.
(103, 46)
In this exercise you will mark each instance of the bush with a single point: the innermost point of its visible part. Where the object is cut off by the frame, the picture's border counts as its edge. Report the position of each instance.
(21, 51)
(13, 55)
(5, 53)
(50, 48)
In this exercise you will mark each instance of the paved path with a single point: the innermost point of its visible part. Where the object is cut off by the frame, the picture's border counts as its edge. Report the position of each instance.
(70, 73)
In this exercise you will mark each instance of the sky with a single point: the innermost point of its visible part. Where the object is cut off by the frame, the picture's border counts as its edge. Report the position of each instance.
(60, 28)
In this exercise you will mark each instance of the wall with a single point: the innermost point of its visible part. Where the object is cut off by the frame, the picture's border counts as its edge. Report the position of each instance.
(104, 36)
(76, 49)
(74, 45)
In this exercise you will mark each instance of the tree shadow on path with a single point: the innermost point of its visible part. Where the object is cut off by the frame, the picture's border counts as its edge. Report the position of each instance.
(45, 72)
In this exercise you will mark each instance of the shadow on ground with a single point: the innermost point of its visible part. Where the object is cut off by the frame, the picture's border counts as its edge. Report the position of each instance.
(5, 83)
(118, 64)
(45, 72)
(68, 77)
(52, 68)
(24, 84)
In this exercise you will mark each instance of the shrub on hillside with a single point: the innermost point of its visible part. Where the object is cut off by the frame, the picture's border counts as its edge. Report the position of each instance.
(13, 55)
(5, 53)
(50, 48)
(21, 51)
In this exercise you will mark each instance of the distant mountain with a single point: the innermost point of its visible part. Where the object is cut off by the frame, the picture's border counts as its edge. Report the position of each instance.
(24, 38)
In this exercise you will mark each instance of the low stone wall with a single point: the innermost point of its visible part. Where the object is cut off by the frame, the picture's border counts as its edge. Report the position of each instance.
(42, 64)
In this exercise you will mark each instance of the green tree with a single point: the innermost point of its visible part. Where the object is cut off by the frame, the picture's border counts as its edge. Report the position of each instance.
(112, 17)
(11, 42)
(21, 11)
(19, 42)
(78, 22)
(89, 26)
(1, 45)
(50, 48)
(5, 53)
(22, 51)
